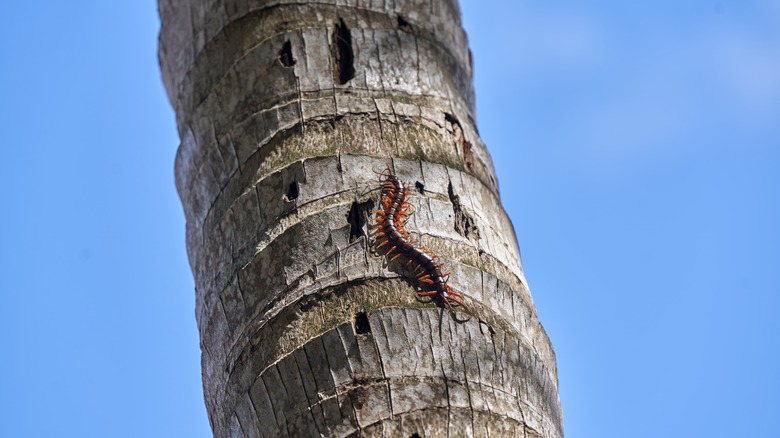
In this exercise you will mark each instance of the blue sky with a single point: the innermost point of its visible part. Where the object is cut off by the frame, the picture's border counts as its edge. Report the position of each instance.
(637, 146)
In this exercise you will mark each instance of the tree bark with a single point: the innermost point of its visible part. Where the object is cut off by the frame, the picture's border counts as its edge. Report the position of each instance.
(285, 111)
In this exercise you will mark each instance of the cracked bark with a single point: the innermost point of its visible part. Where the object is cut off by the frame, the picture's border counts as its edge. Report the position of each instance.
(285, 108)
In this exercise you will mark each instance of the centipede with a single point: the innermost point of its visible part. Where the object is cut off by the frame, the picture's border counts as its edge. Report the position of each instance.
(392, 238)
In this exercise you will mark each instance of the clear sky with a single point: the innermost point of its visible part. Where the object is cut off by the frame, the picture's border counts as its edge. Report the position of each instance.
(638, 155)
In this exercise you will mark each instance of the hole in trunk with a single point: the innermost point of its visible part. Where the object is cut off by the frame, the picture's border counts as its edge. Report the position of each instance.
(292, 191)
(286, 56)
(357, 217)
(449, 118)
(403, 24)
(345, 57)
(362, 326)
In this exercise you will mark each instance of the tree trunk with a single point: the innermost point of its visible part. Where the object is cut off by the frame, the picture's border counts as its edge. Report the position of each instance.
(286, 109)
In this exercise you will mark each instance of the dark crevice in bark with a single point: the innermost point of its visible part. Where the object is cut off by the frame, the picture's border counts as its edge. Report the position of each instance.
(285, 55)
(362, 325)
(459, 139)
(357, 217)
(292, 191)
(345, 56)
(333, 121)
(449, 118)
(420, 187)
(414, 435)
(403, 24)
(464, 223)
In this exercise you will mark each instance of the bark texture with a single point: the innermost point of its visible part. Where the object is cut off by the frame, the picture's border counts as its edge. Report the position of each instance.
(285, 109)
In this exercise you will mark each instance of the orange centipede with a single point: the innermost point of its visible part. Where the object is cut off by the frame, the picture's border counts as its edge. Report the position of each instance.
(392, 238)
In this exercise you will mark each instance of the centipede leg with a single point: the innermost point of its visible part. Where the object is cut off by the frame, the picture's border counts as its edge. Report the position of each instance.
(385, 242)
(393, 258)
(428, 293)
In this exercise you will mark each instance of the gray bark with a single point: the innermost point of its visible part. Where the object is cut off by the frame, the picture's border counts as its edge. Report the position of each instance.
(285, 109)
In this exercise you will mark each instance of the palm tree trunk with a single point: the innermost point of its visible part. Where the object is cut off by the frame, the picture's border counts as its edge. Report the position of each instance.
(285, 110)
